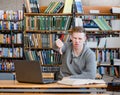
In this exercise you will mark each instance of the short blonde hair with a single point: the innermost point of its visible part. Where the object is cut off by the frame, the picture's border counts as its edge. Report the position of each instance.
(77, 29)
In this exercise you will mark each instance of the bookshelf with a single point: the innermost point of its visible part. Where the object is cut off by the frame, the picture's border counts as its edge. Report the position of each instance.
(11, 35)
(94, 35)
(41, 30)
(97, 33)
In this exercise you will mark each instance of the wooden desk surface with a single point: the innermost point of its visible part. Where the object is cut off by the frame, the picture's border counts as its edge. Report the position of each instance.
(48, 94)
(15, 84)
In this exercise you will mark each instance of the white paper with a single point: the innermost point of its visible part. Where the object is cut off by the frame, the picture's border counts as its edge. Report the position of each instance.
(80, 81)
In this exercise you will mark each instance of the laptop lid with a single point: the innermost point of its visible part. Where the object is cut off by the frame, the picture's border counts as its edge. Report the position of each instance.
(29, 71)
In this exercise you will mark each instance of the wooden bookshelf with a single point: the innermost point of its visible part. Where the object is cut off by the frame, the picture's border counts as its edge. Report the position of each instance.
(103, 11)
(11, 43)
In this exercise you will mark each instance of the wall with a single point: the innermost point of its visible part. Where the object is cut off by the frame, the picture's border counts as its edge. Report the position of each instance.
(17, 4)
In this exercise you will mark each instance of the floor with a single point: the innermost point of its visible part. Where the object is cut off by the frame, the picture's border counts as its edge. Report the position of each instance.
(110, 79)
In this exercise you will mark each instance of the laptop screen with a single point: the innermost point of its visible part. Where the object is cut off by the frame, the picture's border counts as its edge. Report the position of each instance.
(28, 71)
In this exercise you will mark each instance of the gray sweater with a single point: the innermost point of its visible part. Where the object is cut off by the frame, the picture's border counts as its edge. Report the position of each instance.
(83, 66)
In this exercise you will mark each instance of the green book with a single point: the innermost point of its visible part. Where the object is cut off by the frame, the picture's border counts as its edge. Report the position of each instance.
(49, 7)
(53, 7)
(32, 23)
(105, 24)
(63, 22)
(68, 23)
(98, 22)
(58, 7)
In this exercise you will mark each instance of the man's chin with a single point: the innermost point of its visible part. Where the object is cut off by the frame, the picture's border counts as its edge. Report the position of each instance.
(76, 47)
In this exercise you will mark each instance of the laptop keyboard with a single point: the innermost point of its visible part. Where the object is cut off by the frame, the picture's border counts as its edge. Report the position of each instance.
(48, 80)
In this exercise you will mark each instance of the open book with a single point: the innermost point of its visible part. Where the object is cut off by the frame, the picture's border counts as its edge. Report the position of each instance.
(80, 81)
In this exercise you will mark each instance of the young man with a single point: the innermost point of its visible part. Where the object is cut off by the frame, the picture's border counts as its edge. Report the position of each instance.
(78, 61)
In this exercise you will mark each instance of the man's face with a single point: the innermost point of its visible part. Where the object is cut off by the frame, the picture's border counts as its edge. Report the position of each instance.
(78, 39)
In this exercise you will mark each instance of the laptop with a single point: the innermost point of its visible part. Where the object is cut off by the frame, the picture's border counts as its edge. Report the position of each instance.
(30, 72)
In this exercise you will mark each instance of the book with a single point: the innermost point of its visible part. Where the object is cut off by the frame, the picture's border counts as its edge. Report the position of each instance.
(32, 6)
(51, 4)
(109, 42)
(78, 4)
(102, 23)
(105, 24)
(74, 81)
(92, 44)
(117, 62)
(40, 57)
(58, 7)
(78, 21)
(53, 7)
(91, 29)
(116, 71)
(113, 42)
(115, 10)
(102, 43)
(68, 6)
(115, 24)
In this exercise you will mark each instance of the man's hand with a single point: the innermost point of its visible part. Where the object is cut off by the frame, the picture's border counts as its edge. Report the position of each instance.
(59, 44)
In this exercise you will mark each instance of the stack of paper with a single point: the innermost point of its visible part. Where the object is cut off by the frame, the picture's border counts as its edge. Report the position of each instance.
(80, 81)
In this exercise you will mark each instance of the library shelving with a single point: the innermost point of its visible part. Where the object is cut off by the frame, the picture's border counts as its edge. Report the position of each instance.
(41, 30)
(11, 35)
(103, 31)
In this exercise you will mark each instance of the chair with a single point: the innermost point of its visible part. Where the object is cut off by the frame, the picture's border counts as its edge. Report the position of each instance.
(7, 76)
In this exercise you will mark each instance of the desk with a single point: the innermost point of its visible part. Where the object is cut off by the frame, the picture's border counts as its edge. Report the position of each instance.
(47, 94)
(14, 86)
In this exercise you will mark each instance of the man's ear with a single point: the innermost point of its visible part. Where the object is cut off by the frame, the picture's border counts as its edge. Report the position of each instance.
(70, 37)
(85, 38)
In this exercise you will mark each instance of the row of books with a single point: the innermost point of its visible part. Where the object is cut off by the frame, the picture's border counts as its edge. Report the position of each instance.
(90, 17)
(8, 25)
(89, 24)
(106, 56)
(11, 15)
(110, 70)
(49, 57)
(104, 43)
(64, 22)
(50, 69)
(11, 52)
(8, 38)
(38, 40)
(43, 40)
(6, 65)
(54, 7)
(48, 22)
(46, 57)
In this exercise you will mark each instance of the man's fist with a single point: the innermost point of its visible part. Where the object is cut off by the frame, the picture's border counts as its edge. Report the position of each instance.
(59, 44)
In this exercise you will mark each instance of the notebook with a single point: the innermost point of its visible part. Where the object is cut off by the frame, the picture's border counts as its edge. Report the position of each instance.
(30, 72)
